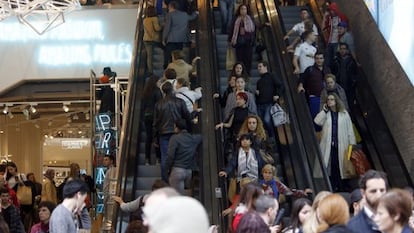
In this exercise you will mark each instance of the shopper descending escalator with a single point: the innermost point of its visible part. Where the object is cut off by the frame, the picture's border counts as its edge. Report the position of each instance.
(337, 135)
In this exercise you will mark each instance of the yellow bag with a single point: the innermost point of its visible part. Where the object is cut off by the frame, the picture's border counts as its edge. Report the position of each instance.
(24, 194)
(232, 189)
(230, 58)
(358, 138)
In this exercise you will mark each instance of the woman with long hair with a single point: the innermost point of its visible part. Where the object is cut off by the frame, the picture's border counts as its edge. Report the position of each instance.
(242, 36)
(393, 212)
(311, 224)
(239, 70)
(253, 125)
(152, 36)
(150, 97)
(301, 211)
(333, 214)
(337, 135)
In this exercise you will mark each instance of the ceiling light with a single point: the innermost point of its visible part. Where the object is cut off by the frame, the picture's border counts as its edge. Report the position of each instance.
(10, 114)
(50, 123)
(37, 126)
(75, 117)
(65, 108)
(32, 109)
(6, 109)
(87, 116)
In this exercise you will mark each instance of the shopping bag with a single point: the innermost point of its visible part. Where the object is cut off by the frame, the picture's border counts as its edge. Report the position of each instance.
(358, 159)
(279, 116)
(230, 58)
(232, 189)
(358, 138)
(24, 194)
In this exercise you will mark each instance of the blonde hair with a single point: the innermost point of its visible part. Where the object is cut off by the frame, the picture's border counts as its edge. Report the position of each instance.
(332, 210)
(260, 131)
(311, 225)
(269, 167)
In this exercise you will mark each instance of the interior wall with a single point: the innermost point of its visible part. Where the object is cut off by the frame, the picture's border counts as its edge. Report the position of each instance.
(392, 88)
(25, 143)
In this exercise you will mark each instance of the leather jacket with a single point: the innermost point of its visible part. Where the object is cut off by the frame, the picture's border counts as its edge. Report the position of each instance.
(166, 112)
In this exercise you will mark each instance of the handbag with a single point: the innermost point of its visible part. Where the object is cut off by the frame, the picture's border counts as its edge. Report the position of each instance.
(279, 116)
(358, 159)
(232, 189)
(24, 194)
(230, 58)
(266, 156)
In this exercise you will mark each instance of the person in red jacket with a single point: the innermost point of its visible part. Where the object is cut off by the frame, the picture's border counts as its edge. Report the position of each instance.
(331, 19)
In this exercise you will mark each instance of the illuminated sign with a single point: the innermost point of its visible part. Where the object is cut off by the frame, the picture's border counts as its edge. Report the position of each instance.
(89, 39)
(68, 145)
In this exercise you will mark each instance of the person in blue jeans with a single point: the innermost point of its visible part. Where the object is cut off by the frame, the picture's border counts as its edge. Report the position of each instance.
(226, 11)
(166, 112)
(268, 91)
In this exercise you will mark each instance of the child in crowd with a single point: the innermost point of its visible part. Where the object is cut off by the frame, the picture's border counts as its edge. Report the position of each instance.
(272, 186)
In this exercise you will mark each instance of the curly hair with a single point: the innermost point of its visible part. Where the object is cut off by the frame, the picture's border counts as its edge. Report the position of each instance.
(259, 132)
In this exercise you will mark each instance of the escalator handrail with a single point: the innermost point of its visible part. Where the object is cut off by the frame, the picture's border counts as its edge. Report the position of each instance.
(208, 71)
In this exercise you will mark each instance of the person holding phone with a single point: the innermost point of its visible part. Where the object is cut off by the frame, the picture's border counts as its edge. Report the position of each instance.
(337, 135)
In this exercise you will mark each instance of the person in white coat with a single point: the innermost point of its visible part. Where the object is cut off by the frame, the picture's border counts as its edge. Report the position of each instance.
(337, 135)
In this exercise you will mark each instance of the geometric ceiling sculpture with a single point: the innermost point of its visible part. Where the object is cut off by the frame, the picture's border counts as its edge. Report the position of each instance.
(40, 15)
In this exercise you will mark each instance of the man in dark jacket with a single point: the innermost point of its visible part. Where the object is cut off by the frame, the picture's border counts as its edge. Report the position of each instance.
(181, 150)
(312, 82)
(373, 186)
(175, 32)
(166, 112)
(345, 69)
(268, 91)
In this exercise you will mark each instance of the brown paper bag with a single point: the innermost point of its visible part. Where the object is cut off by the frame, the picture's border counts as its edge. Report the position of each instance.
(230, 58)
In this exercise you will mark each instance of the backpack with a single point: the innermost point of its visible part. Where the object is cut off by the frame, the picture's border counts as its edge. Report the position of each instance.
(137, 214)
(279, 116)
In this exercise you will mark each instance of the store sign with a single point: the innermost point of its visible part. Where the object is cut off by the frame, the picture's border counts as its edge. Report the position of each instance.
(72, 145)
(105, 136)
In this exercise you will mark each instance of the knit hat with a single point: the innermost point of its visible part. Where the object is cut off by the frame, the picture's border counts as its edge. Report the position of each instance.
(176, 215)
(243, 95)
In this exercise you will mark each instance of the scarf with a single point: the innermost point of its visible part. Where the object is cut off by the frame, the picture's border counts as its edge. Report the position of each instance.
(248, 26)
(270, 188)
(247, 165)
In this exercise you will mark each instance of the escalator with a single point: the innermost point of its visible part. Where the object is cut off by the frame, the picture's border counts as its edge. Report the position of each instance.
(135, 178)
(377, 139)
(298, 148)
(300, 152)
